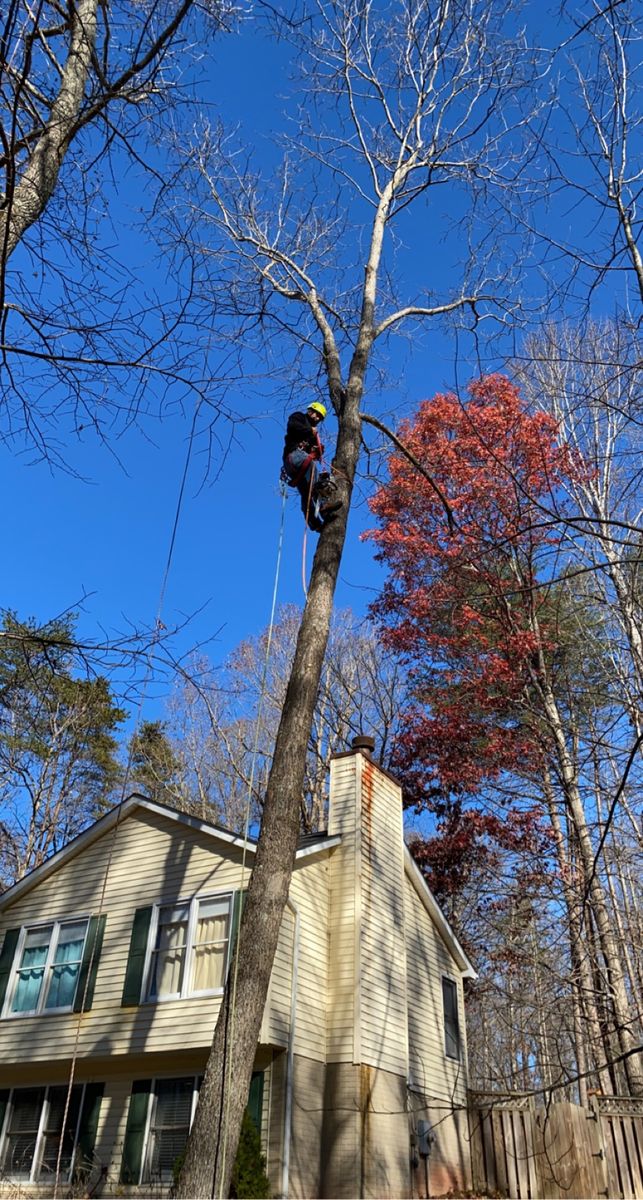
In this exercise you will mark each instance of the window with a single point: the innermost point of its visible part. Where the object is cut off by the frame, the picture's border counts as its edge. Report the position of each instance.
(48, 961)
(188, 954)
(33, 1129)
(173, 1107)
(159, 1118)
(451, 1019)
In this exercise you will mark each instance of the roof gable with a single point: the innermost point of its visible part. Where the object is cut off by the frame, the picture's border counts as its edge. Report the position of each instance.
(224, 838)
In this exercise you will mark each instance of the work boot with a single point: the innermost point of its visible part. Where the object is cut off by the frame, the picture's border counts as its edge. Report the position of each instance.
(329, 509)
(325, 486)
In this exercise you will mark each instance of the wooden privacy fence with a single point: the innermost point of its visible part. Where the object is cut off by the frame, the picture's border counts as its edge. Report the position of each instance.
(526, 1150)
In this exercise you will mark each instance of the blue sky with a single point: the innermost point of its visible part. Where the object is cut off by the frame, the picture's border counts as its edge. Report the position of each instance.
(99, 541)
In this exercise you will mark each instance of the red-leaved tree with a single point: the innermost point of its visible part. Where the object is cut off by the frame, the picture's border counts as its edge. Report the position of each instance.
(486, 622)
(464, 608)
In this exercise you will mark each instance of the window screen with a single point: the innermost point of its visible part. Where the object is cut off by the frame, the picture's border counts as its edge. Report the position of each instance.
(451, 1021)
(169, 1127)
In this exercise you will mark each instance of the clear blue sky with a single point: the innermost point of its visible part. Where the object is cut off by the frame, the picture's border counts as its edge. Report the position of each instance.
(105, 536)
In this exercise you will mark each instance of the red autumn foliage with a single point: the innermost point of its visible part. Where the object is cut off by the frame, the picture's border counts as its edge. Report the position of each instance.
(471, 843)
(463, 609)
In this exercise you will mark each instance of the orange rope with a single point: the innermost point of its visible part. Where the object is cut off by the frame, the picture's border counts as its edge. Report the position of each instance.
(303, 547)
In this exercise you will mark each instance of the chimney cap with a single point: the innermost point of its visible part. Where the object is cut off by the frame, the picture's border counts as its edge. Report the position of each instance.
(363, 742)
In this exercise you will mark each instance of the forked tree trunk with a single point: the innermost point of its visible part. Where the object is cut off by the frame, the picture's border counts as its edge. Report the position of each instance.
(213, 1140)
(28, 198)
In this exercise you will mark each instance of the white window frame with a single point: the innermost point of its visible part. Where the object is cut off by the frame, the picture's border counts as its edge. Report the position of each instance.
(454, 983)
(193, 902)
(56, 924)
(145, 1175)
(34, 1173)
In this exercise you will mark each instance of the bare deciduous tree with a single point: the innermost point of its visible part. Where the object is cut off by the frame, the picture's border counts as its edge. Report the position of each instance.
(83, 86)
(410, 100)
(214, 719)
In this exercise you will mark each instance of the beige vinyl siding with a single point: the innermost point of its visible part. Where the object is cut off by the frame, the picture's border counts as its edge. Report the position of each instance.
(306, 1131)
(275, 1027)
(365, 1133)
(428, 959)
(382, 948)
(449, 1164)
(274, 1097)
(343, 1023)
(309, 891)
(153, 859)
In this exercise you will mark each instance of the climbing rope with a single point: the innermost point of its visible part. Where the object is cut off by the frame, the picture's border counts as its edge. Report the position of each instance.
(128, 767)
(227, 1064)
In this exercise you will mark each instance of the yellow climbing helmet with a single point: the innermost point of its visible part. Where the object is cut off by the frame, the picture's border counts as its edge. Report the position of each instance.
(318, 408)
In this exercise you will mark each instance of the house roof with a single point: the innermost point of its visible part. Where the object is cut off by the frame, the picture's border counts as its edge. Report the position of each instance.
(431, 905)
(308, 845)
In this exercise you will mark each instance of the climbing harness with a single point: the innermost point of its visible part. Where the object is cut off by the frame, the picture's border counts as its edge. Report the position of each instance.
(295, 480)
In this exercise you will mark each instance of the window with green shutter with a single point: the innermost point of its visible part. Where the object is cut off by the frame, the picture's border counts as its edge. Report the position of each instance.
(7, 955)
(134, 1143)
(181, 949)
(42, 966)
(46, 1128)
(134, 971)
(255, 1098)
(50, 967)
(89, 964)
(84, 1159)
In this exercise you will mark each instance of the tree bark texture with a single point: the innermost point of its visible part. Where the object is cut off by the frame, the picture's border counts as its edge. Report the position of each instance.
(30, 196)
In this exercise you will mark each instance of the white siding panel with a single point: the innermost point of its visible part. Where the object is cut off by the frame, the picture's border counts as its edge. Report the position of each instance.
(343, 1023)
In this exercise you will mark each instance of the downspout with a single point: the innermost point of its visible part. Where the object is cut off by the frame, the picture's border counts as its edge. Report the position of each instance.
(290, 1053)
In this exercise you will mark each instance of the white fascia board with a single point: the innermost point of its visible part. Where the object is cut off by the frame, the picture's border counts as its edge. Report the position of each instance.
(319, 847)
(437, 916)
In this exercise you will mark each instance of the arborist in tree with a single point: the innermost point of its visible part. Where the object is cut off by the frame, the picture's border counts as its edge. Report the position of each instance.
(302, 451)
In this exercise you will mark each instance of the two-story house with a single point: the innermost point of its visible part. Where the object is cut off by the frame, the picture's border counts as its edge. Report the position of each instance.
(112, 962)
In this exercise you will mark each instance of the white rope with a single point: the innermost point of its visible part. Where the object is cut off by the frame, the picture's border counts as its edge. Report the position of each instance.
(227, 1068)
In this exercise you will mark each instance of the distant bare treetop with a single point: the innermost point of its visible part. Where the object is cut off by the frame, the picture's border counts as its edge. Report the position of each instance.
(85, 88)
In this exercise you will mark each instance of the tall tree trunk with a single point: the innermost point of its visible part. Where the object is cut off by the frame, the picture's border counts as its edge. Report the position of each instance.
(614, 977)
(213, 1141)
(214, 1136)
(582, 984)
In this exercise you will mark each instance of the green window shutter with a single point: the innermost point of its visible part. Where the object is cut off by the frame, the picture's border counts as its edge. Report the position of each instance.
(4, 1100)
(7, 955)
(238, 901)
(135, 1131)
(255, 1098)
(88, 1127)
(136, 960)
(89, 965)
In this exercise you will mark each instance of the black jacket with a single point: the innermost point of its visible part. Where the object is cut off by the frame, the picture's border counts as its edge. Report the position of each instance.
(300, 432)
